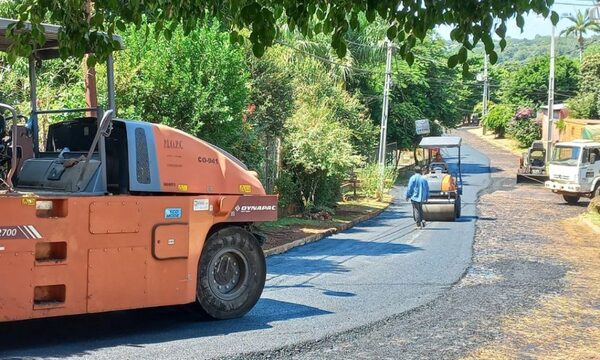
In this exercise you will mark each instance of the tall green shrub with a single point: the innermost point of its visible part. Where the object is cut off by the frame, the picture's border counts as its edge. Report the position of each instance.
(197, 83)
(369, 178)
(498, 118)
(316, 148)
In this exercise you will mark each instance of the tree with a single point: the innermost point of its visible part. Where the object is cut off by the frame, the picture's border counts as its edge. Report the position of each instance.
(581, 24)
(271, 104)
(498, 118)
(195, 83)
(527, 84)
(525, 128)
(520, 50)
(313, 133)
(587, 101)
(473, 21)
(326, 136)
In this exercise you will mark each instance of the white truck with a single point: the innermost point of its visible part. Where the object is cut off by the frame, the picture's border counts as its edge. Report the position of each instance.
(575, 170)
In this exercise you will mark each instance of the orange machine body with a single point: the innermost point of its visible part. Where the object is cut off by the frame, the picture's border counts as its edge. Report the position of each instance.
(448, 183)
(139, 245)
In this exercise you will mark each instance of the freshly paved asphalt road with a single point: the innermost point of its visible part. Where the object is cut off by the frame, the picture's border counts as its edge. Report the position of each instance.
(378, 269)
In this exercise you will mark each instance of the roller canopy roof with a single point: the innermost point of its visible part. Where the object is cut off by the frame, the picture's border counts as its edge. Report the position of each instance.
(50, 49)
(440, 142)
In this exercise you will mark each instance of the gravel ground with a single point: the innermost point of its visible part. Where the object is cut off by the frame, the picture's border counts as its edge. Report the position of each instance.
(507, 279)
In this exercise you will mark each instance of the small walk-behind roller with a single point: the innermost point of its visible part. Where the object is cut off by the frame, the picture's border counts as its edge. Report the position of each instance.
(445, 188)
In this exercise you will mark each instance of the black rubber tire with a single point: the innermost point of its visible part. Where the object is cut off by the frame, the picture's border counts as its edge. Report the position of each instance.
(458, 207)
(571, 199)
(242, 278)
(596, 193)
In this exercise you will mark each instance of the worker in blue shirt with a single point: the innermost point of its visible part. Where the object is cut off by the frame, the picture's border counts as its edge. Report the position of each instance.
(418, 193)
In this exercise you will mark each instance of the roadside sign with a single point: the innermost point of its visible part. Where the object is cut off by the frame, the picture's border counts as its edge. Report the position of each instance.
(422, 127)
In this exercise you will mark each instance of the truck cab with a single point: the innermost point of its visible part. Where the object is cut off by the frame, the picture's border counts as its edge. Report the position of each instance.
(575, 170)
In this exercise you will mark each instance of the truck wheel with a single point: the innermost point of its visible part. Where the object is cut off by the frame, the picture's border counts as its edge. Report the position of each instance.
(571, 199)
(596, 193)
(231, 274)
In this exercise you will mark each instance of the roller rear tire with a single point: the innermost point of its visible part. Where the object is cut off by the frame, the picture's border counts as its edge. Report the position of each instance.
(458, 206)
(231, 274)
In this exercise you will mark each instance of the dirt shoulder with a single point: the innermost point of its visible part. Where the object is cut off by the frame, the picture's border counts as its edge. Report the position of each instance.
(293, 228)
(506, 144)
(533, 290)
(592, 216)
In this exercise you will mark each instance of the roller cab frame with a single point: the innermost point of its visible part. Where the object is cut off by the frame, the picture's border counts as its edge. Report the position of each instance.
(109, 214)
(445, 188)
(532, 164)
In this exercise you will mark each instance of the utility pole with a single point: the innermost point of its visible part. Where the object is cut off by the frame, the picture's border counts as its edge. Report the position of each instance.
(384, 116)
(91, 94)
(485, 90)
(550, 117)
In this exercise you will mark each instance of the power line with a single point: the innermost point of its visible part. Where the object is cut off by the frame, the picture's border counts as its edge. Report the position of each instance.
(431, 83)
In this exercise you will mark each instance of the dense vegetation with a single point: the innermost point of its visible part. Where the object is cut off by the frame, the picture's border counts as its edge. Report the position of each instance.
(305, 114)
(85, 22)
(519, 82)
(300, 116)
(520, 50)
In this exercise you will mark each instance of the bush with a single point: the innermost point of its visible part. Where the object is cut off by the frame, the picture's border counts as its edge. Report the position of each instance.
(195, 82)
(369, 176)
(317, 149)
(498, 118)
(525, 128)
(328, 191)
(583, 106)
(290, 198)
(318, 212)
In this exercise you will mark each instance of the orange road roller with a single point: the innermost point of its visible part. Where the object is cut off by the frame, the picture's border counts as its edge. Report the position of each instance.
(445, 187)
(108, 214)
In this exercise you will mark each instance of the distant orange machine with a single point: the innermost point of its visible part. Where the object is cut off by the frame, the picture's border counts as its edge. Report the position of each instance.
(108, 214)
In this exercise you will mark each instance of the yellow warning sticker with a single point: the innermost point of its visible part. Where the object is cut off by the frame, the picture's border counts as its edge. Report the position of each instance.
(245, 188)
(182, 187)
(28, 201)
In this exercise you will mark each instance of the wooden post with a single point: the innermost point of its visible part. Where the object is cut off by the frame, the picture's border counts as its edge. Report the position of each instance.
(91, 92)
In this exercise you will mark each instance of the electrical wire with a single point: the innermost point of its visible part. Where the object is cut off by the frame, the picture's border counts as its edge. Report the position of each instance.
(431, 83)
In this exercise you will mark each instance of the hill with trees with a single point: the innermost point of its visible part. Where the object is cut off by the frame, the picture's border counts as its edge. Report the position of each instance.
(520, 50)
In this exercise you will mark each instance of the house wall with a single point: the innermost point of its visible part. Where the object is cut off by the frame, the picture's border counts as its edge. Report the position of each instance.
(574, 127)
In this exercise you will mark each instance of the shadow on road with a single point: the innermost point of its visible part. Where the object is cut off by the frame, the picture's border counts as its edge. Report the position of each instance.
(135, 328)
(323, 257)
(479, 169)
(582, 203)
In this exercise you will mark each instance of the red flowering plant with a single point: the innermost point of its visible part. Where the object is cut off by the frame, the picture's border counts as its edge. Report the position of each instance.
(524, 127)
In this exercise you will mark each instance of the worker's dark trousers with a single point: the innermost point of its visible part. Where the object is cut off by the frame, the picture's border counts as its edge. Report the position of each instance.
(417, 212)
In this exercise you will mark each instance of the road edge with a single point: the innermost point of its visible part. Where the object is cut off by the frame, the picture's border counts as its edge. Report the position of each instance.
(316, 237)
(595, 228)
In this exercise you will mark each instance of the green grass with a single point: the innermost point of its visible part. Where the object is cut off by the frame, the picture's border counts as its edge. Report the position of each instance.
(593, 218)
(366, 202)
(361, 204)
(296, 221)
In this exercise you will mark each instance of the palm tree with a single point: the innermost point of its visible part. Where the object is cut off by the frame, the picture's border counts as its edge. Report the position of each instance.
(581, 24)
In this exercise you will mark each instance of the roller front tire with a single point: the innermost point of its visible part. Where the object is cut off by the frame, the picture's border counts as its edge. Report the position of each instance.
(231, 274)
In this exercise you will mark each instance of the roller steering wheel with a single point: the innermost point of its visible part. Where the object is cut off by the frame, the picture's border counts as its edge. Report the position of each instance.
(7, 120)
(20, 117)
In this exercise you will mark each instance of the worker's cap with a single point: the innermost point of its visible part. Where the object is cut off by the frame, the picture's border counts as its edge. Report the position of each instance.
(418, 169)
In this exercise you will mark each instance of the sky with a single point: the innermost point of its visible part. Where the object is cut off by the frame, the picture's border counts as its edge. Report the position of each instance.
(537, 25)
